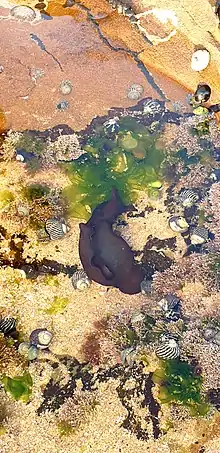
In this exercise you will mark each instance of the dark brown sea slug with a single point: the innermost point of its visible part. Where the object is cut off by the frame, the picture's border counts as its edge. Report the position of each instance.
(105, 256)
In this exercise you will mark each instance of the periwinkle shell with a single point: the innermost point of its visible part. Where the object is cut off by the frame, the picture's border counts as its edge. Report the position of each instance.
(7, 325)
(203, 93)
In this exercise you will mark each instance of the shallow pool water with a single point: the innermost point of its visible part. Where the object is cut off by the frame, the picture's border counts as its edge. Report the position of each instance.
(109, 228)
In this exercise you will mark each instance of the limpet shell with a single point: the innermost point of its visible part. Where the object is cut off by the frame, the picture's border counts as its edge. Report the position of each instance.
(135, 92)
(80, 280)
(7, 325)
(66, 86)
(200, 60)
(188, 198)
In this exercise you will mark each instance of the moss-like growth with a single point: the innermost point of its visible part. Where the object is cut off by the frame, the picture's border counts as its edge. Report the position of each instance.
(35, 191)
(57, 306)
(11, 363)
(6, 198)
(179, 384)
(31, 144)
(20, 387)
(127, 160)
(51, 280)
(76, 411)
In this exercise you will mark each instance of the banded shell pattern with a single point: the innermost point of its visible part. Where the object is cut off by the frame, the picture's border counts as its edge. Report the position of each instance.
(80, 280)
(7, 325)
(188, 198)
(168, 349)
(55, 228)
(199, 235)
(152, 108)
(170, 304)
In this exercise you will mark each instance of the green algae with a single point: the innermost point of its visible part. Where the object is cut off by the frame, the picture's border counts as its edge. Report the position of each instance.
(30, 144)
(178, 383)
(19, 387)
(36, 191)
(6, 198)
(129, 161)
(58, 305)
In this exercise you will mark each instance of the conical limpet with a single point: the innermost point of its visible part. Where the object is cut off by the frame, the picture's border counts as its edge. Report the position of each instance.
(80, 280)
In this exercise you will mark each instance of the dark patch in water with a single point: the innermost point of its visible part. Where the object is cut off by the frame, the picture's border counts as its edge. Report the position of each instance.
(106, 257)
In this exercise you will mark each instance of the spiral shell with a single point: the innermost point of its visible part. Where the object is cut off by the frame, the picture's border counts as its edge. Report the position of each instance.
(178, 224)
(170, 305)
(203, 93)
(188, 198)
(80, 280)
(168, 349)
(7, 325)
(41, 338)
(199, 235)
(55, 228)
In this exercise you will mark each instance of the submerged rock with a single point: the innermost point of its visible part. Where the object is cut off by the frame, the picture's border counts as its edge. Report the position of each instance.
(105, 256)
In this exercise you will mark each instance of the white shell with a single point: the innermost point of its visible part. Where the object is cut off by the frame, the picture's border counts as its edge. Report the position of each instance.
(44, 339)
(23, 13)
(200, 60)
(80, 280)
(178, 224)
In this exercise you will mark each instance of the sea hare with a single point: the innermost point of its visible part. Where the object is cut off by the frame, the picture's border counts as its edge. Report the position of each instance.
(106, 257)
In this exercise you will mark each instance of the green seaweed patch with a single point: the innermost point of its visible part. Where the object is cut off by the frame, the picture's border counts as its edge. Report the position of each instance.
(129, 161)
(31, 144)
(51, 280)
(36, 191)
(178, 383)
(65, 428)
(19, 387)
(6, 198)
(58, 305)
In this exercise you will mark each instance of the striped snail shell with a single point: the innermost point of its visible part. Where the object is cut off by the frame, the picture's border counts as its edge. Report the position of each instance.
(168, 349)
(7, 325)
